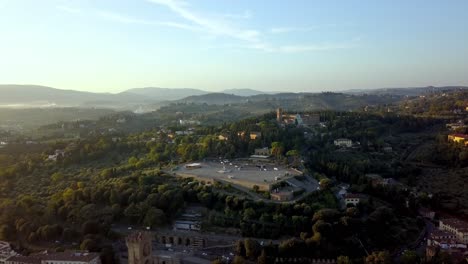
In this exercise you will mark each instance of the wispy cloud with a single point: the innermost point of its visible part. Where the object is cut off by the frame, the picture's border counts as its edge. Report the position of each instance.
(214, 26)
(209, 25)
(247, 14)
(131, 20)
(304, 48)
(254, 38)
(69, 9)
(279, 30)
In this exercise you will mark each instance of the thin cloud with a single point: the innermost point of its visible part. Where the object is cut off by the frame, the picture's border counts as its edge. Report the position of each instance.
(69, 9)
(130, 20)
(211, 26)
(253, 38)
(281, 30)
(247, 14)
(304, 48)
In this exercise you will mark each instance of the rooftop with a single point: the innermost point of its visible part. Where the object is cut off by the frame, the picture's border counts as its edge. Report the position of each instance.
(465, 136)
(72, 256)
(456, 223)
(27, 259)
(354, 196)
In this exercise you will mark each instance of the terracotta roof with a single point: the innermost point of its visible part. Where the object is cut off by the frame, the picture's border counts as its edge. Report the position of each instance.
(354, 195)
(441, 233)
(465, 136)
(72, 256)
(60, 256)
(26, 259)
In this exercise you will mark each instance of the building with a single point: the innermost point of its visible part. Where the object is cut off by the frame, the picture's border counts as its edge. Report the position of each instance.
(140, 249)
(354, 199)
(282, 196)
(187, 225)
(343, 142)
(192, 166)
(223, 137)
(189, 122)
(310, 120)
(458, 255)
(374, 179)
(255, 135)
(307, 120)
(262, 152)
(455, 126)
(279, 115)
(458, 138)
(426, 213)
(68, 257)
(457, 227)
(5, 252)
(18, 259)
(58, 154)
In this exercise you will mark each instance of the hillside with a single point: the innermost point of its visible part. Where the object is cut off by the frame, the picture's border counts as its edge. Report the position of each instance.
(406, 91)
(37, 96)
(163, 94)
(243, 92)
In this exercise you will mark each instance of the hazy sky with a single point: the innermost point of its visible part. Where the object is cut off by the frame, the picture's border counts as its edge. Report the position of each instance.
(278, 45)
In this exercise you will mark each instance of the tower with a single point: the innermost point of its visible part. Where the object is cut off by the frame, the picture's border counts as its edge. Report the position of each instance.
(139, 248)
(279, 115)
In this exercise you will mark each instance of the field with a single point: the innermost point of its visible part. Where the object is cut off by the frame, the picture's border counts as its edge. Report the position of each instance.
(239, 173)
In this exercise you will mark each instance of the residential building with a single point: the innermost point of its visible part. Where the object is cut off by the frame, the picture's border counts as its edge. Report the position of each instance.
(68, 257)
(189, 122)
(375, 179)
(18, 259)
(58, 154)
(255, 135)
(282, 196)
(343, 142)
(5, 252)
(309, 120)
(297, 119)
(192, 166)
(426, 213)
(262, 152)
(457, 227)
(187, 225)
(458, 138)
(223, 137)
(354, 198)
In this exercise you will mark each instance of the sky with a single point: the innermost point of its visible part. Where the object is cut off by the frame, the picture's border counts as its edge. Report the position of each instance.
(267, 45)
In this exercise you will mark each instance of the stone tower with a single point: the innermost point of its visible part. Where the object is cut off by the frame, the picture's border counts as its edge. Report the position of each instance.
(279, 115)
(139, 248)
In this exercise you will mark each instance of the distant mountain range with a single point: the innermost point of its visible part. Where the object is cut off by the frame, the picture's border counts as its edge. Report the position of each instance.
(42, 96)
(408, 91)
(23, 96)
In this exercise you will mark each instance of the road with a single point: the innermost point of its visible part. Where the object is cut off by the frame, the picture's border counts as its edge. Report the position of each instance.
(419, 245)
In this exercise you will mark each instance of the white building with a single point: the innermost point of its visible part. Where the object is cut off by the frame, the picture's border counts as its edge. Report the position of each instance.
(343, 142)
(5, 252)
(187, 225)
(73, 257)
(457, 227)
(354, 199)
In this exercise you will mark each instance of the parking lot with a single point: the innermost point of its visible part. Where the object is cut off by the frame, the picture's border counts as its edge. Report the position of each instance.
(241, 173)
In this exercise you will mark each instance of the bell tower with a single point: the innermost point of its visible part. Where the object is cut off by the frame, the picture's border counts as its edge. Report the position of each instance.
(139, 248)
(279, 115)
